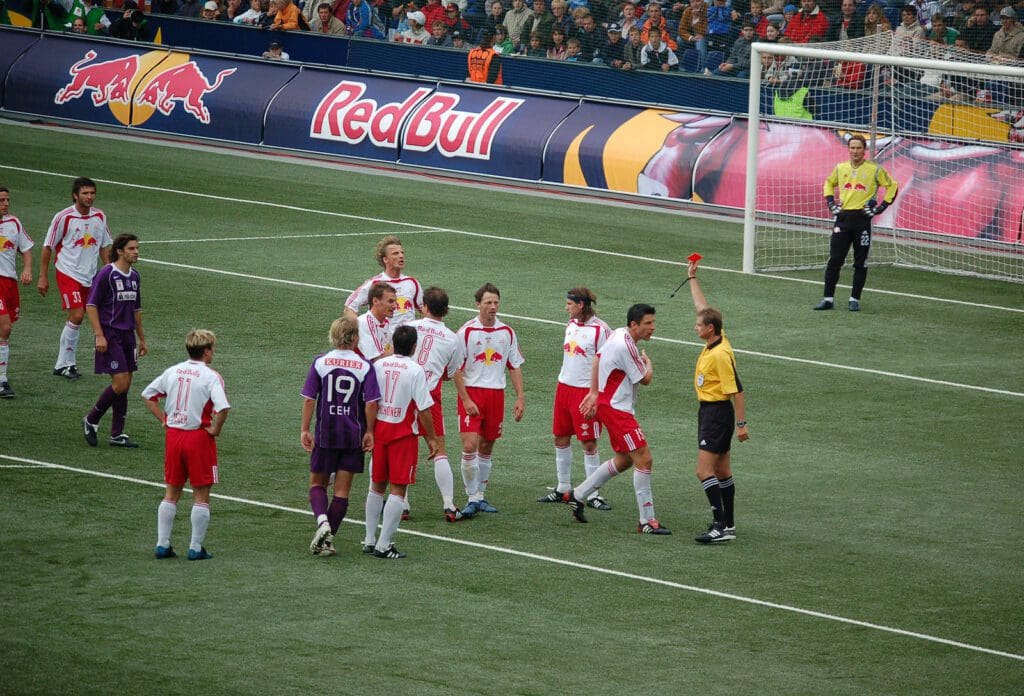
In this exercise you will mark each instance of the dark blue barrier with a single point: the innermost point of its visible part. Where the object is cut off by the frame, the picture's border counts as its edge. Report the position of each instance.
(384, 56)
(12, 46)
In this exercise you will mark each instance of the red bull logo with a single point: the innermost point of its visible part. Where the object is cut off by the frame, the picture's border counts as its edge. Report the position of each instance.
(573, 348)
(402, 304)
(430, 122)
(185, 84)
(86, 241)
(157, 80)
(108, 80)
(855, 185)
(488, 356)
(6, 244)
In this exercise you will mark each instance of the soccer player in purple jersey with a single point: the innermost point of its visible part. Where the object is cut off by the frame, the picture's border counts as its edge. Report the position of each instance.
(115, 312)
(342, 388)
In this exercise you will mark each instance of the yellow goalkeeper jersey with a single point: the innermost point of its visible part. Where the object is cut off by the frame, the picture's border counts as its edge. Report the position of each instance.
(860, 185)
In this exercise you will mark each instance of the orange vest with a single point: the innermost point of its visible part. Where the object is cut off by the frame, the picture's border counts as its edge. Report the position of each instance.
(479, 64)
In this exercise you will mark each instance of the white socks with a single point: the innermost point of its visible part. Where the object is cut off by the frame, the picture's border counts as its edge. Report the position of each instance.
(5, 354)
(392, 516)
(590, 464)
(470, 473)
(484, 465)
(445, 481)
(165, 522)
(601, 476)
(68, 346)
(563, 468)
(644, 497)
(200, 521)
(374, 504)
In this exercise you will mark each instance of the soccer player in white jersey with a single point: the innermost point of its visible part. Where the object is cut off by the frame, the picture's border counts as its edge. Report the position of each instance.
(618, 369)
(405, 401)
(77, 238)
(375, 326)
(193, 414)
(409, 294)
(342, 388)
(490, 346)
(14, 240)
(585, 334)
(440, 353)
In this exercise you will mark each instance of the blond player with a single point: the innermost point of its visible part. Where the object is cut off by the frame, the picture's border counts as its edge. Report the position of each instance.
(78, 237)
(14, 240)
(193, 414)
(440, 352)
(490, 347)
(409, 295)
(585, 334)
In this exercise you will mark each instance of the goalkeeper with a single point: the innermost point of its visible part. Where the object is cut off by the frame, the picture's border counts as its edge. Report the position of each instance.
(858, 182)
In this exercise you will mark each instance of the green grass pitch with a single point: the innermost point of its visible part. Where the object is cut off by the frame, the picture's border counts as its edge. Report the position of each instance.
(878, 499)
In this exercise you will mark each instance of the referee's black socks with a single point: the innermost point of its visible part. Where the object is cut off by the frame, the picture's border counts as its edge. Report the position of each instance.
(714, 493)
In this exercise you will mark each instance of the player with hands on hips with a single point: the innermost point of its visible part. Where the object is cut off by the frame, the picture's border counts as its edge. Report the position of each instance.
(14, 240)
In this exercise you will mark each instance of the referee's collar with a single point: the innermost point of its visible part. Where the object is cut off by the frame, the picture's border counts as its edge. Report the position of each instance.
(719, 341)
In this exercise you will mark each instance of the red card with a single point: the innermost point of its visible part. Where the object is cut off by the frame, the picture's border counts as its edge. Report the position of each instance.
(694, 257)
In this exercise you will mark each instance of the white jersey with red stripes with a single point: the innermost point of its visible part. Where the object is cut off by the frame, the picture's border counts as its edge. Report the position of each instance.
(14, 240)
(76, 239)
(619, 371)
(583, 341)
(408, 293)
(403, 394)
(192, 393)
(438, 350)
(374, 336)
(488, 349)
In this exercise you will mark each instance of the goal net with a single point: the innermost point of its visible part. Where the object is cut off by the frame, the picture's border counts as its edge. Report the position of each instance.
(946, 123)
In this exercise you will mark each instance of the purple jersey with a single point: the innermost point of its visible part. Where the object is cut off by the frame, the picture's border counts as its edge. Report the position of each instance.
(116, 297)
(342, 383)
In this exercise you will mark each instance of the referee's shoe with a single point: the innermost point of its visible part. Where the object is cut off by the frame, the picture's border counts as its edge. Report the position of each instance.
(715, 534)
(825, 304)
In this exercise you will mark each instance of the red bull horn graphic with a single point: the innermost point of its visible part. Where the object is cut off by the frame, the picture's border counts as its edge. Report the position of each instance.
(158, 80)
(488, 356)
(86, 241)
(6, 244)
(431, 122)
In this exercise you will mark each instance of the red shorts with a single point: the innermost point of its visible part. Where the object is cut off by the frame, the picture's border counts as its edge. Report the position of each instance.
(491, 403)
(72, 293)
(396, 461)
(10, 298)
(567, 419)
(190, 455)
(623, 430)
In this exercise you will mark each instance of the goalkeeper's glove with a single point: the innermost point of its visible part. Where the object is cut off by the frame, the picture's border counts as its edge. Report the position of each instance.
(835, 208)
(869, 208)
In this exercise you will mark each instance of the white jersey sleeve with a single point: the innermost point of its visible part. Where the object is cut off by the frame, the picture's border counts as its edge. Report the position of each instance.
(14, 240)
(374, 337)
(488, 350)
(192, 393)
(620, 369)
(438, 350)
(581, 345)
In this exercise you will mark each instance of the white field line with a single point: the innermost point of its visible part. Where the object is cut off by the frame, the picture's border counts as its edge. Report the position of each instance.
(417, 226)
(770, 356)
(563, 562)
(275, 237)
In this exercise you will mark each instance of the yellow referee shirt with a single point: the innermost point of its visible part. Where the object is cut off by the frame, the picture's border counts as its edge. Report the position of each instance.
(860, 185)
(715, 378)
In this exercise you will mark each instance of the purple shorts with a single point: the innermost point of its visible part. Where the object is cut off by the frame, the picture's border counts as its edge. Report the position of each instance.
(327, 460)
(120, 353)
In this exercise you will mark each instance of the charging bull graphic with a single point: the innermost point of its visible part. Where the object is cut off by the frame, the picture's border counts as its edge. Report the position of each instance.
(186, 84)
(108, 80)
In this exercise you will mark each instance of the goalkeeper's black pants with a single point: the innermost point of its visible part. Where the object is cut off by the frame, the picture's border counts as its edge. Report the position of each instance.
(852, 228)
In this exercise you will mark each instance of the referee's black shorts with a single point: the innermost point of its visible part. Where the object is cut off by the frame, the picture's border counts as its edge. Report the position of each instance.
(716, 421)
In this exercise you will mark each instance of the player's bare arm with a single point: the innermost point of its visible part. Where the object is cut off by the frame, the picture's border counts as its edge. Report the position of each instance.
(305, 436)
(460, 386)
(105, 255)
(142, 347)
(371, 425)
(427, 426)
(588, 405)
(44, 271)
(26, 268)
(699, 301)
(519, 408)
(218, 422)
(649, 372)
(94, 321)
(153, 406)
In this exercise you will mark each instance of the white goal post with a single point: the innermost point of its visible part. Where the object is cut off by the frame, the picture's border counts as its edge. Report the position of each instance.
(948, 127)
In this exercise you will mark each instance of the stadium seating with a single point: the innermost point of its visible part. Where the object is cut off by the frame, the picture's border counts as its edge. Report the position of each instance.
(691, 60)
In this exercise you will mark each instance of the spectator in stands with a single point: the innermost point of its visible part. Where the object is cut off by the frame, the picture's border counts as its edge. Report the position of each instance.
(257, 8)
(720, 31)
(693, 28)
(232, 9)
(132, 25)
(286, 18)
(502, 44)
(275, 52)
(518, 21)
(908, 29)
(78, 26)
(757, 18)
(267, 19)
(168, 7)
(557, 49)
(415, 34)
(433, 11)
(95, 19)
(399, 22)
(612, 51)
(189, 8)
(772, 33)
(589, 37)
(572, 50)
(495, 17)
(599, 9)
(941, 30)
(789, 12)
(656, 54)
(360, 20)
(1009, 40)
(439, 35)
(925, 9)
(459, 40)
(210, 11)
(738, 62)
(454, 20)
(631, 52)
(875, 21)
(536, 46)
(325, 22)
(483, 64)
(560, 11)
(978, 31)
(627, 17)
(655, 18)
(810, 24)
(846, 25)
(541, 23)
(475, 12)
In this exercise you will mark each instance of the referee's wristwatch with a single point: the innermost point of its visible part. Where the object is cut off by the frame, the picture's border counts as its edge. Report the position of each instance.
(741, 424)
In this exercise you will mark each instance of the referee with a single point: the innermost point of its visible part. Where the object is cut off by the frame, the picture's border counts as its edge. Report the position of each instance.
(719, 390)
(858, 181)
